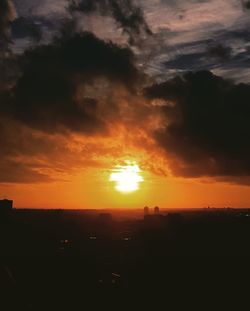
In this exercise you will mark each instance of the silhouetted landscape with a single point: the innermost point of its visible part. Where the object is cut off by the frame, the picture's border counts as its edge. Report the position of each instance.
(108, 252)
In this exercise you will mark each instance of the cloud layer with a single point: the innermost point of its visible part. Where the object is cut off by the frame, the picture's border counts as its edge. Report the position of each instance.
(126, 13)
(72, 99)
(61, 88)
(7, 15)
(207, 128)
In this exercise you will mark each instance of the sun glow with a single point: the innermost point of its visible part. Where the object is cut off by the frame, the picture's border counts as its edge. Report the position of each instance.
(127, 177)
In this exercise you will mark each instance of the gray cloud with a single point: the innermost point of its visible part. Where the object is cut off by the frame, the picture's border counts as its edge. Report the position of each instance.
(128, 16)
(7, 15)
(45, 95)
(245, 4)
(207, 131)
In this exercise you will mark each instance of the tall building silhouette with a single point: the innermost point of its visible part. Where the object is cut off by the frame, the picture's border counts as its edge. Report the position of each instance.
(156, 210)
(5, 209)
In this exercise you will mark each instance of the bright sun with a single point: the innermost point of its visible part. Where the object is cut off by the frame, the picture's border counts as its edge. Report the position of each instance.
(127, 177)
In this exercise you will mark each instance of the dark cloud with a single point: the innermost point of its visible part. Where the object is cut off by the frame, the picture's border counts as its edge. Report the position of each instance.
(226, 53)
(186, 61)
(219, 51)
(208, 56)
(9, 70)
(8, 66)
(54, 89)
(207, 130)
(23, 27)
(4, 21)
(7, 14)
(57, 90)
(45, 96)
(246, 4)
(17, 172)
(126, 13)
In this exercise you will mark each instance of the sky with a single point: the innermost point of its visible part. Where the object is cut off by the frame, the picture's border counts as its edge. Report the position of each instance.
(87, 87)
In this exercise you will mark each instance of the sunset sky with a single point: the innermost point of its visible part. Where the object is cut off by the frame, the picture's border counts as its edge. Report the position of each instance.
(122, 103)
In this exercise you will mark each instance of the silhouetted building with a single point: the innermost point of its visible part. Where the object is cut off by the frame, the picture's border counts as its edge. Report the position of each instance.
(5, 208)
(6, 205)
(156, 210)
(146, 211)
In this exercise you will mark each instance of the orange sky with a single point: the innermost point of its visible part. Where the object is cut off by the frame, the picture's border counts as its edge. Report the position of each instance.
(92, 189)
(80, 173)
(79, 169)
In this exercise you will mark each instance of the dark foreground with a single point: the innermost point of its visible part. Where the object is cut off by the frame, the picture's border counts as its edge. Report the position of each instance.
(54, 260)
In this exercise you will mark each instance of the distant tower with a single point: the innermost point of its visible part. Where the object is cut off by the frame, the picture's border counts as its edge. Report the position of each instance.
(5, 208)
(6, 205)
(156, 210)
(146, 211)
